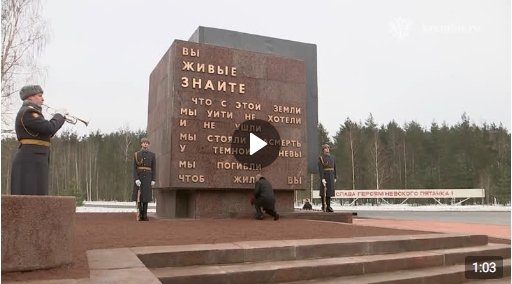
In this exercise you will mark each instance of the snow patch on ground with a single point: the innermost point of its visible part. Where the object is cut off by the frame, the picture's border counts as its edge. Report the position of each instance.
(114, 203)
(122, 207)
(408, 207)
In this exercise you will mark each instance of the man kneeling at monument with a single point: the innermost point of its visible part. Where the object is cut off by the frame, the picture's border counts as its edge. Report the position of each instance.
(264, 198)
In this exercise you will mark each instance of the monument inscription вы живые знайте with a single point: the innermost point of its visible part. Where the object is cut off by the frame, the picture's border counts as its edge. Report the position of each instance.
(205, 100)
(280, 47)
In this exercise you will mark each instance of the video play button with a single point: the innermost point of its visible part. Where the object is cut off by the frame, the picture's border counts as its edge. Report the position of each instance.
(261, 143)
(255, 144)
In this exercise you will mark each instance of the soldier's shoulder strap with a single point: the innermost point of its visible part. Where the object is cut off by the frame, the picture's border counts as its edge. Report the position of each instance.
(26, 117)
(31, 109)
(322, 160)
(139, 162)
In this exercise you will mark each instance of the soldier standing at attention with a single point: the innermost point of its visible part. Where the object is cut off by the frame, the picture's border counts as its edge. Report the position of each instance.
(30, 166)
(327, 171)
(144, 174)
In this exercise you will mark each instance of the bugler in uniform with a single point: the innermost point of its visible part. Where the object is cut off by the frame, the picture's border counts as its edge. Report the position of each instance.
(144, 174)
(30, 166)
(327, 171)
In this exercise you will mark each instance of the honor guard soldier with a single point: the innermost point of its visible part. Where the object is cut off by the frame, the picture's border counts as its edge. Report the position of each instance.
(327, 171)
(30, 166)
(144, 174)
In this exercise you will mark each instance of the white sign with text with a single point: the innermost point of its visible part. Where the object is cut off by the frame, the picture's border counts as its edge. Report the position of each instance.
(408, 193)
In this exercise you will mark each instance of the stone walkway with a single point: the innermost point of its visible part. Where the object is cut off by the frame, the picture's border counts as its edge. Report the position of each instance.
(61, 281)
(499, 232)
(495, 232)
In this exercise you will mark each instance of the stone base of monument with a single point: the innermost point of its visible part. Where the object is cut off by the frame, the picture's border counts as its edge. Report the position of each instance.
(203, 204)
(37, 231)
(343, 217)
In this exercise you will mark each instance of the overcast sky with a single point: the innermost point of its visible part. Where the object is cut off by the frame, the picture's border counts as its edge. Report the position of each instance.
(403, 60)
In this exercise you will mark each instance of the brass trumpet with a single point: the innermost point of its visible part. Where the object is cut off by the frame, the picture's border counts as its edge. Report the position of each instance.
(69, 118)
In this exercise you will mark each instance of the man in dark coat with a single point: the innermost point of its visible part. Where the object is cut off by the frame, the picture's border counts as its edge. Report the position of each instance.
(144, 175)
(264, 198)
(307, 205)
(327, 171)
(30, 166)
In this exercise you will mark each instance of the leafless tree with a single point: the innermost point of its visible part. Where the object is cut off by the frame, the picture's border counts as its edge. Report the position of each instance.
(25, 34)
(376, 152)
(354, 146)
(376, 159)
(125, 144)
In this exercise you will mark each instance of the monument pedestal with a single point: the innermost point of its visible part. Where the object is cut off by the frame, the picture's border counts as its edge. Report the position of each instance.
(217, 203)
(37, 231)
(206, 104)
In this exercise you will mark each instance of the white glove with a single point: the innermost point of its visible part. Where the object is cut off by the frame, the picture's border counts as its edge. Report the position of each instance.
(334, 180)
(153, 183)
(324, 182)
(62, 111)
(137, 182)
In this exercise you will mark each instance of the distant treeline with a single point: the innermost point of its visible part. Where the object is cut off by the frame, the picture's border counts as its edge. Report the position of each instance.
(98, 166)
(412, 157)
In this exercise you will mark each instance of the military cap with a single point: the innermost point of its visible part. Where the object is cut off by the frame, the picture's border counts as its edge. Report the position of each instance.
(144, 140)
(325, 146)
(30, 90)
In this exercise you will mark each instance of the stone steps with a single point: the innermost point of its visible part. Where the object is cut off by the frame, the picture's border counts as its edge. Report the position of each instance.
(451, 274)
(505, 280)
(258, 251)
(429, 256)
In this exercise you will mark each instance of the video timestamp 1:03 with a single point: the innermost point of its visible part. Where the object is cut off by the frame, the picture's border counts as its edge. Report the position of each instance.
(483, 267)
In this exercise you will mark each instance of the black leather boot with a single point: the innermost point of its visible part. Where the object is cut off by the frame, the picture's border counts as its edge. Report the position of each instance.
(145, 211)
(141, 213)
(328, 203)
